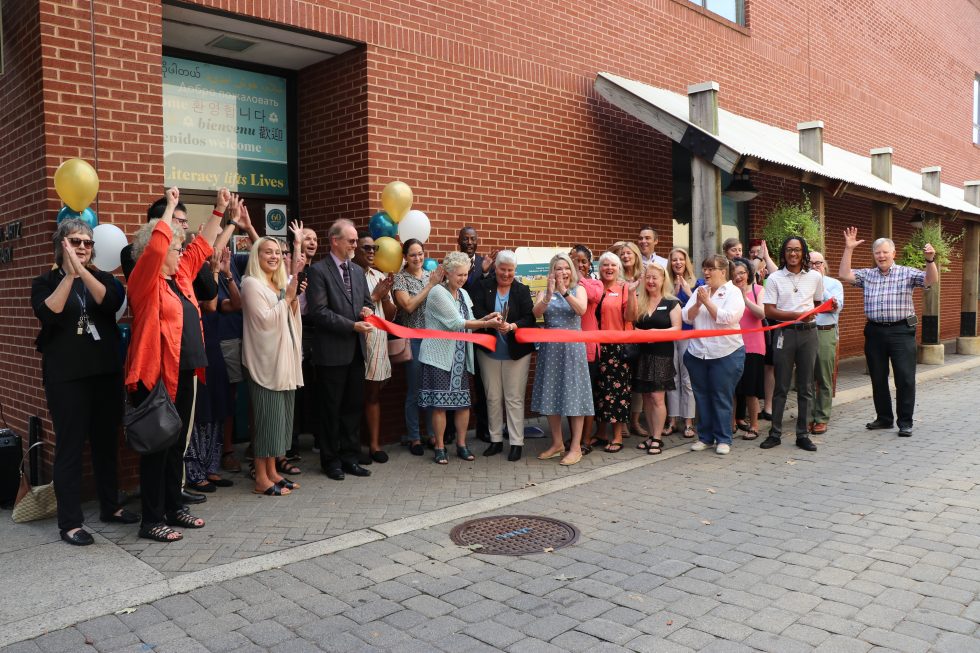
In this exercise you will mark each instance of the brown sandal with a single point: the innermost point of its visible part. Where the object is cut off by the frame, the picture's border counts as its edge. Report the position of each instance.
(750, 434)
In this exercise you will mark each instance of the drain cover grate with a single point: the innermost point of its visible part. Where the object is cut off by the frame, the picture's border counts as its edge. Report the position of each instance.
(514, 534)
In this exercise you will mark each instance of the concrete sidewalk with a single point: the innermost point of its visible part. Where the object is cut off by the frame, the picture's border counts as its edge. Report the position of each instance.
(247, 534)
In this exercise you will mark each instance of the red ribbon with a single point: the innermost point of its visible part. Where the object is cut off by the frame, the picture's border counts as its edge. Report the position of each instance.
(482, 339)
(567, 335)
(648, 335)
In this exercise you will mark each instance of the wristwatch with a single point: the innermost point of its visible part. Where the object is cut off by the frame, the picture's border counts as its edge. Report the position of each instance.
(566, 294)
(931, 260)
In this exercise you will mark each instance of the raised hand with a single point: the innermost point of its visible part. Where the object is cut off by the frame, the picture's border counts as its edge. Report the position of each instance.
(224, 263)
(72, 265)
(296, 228)
(299, 262)
(233, 208)
(173, 196)
(551, 284)
(243, 220)
(930, 252)
(488, 261)
(851, 238)
(437, 275)
(703, 296)
(222, 199)
(560, 286)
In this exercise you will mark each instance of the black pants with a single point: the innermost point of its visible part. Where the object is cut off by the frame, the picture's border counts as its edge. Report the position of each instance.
(162, 473)
(793, 349)
(341, 405)
(897, 344)
(85, 409)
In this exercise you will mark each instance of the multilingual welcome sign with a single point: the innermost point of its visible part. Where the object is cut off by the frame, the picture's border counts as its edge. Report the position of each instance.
(224, 127)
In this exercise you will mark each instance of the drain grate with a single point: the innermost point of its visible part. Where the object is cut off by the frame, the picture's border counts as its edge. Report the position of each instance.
(514, 534)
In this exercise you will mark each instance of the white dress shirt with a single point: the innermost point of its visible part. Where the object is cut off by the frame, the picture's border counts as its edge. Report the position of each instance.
(730, 305)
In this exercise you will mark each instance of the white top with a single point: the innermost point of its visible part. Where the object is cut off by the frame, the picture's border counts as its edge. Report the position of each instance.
(831, 288)
(271, 338)
(797, 292)
(730, 305)
(655, 258)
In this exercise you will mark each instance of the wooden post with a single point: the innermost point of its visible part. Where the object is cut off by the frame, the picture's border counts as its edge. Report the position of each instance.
(931, 351)
(881, 212)
(811, 146)
(705, 177)
(968, 342)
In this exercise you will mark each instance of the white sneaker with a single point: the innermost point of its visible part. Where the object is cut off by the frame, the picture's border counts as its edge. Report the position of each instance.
(699, 446)
(722, 449)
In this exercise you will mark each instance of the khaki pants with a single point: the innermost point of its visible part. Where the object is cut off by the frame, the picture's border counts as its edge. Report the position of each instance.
(505, 382)
(823, 376)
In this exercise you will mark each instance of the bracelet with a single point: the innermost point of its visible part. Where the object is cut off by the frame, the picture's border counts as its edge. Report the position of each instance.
(218, 213)
(932, 260)
(228, 279)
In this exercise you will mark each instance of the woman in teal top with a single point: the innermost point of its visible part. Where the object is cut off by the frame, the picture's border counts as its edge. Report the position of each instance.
(447, 365)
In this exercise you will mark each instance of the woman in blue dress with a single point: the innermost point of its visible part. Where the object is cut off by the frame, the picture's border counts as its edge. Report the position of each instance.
(561, 378)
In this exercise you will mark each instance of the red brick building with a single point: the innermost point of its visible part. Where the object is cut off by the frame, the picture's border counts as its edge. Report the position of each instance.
(488, 110)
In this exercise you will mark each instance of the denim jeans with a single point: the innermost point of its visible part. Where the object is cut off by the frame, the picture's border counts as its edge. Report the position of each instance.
(413, 374)
(714, 381)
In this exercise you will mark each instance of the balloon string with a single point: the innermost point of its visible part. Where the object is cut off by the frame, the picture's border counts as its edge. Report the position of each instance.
(533, 335)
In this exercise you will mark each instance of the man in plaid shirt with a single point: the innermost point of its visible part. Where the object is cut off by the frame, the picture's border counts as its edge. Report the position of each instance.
(890, 331)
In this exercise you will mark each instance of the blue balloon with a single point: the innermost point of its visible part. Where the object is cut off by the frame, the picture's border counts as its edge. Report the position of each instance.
(430, 264)
(87, 216)
(382, 225)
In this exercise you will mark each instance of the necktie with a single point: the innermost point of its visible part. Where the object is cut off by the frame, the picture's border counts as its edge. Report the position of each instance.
(346, 273)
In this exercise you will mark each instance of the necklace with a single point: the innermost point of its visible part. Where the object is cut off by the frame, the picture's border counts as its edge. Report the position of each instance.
(796, 284)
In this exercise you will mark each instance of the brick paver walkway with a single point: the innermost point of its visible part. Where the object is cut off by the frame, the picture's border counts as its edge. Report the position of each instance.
(870, 544)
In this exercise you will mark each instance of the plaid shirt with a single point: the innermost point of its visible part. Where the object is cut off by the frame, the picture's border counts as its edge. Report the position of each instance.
(888, 297)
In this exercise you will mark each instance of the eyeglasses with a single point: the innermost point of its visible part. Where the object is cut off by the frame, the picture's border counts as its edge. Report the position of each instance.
(816, 263)
(183, 222)
(794, 250)
(81, 242)
(179, 250)
(369, 248)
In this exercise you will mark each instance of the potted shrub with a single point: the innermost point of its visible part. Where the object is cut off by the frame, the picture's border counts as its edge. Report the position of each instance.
(931, 232)
(792, 219)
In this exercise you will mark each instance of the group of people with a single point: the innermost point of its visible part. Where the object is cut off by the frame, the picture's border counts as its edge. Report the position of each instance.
(297, 335)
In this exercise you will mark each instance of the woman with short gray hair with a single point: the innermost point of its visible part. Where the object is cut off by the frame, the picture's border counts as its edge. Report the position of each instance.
(504, 370)
(82, 375)
(448, 364)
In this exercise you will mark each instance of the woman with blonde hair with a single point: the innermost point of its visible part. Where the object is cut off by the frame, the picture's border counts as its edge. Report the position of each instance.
(653, 373)
(632, 262)
(680, 400)
(559, 387)
(272, 353)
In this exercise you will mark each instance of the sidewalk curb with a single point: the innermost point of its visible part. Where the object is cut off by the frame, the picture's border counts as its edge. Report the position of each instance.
(936, 372)
(36, 626)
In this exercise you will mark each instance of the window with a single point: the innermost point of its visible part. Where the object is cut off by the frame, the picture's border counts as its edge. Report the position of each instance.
(733, 10)
(976, 109)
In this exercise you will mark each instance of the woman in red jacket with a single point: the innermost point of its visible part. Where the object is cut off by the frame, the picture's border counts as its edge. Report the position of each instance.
(167, 343)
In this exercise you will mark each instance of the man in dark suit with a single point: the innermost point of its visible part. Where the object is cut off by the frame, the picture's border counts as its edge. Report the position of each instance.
(481, 269)
(337, 301)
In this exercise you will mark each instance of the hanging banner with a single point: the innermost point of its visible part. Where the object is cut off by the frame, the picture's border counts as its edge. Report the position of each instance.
(224, 128)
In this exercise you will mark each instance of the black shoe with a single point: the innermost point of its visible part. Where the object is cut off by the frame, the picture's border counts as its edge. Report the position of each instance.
(292, 455)
(125, 517)
(416, 449)
(80, 538)
(190, 497)
(207, 486)
(364, 459)
(515, 453)
(494, 449)
(806, 444)
(905, 431)
(766, 416)
(356, 470)
(770, 442)
(379, 456)
(334, 474)
(877, 424)
(483, 436)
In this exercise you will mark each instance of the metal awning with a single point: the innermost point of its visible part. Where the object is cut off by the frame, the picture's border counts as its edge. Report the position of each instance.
(743, 143)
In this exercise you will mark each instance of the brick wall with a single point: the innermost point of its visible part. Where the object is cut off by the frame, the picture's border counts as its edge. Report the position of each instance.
(488, 111)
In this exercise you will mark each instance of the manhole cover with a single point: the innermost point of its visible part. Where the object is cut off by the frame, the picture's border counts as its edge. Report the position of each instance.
(514, 535)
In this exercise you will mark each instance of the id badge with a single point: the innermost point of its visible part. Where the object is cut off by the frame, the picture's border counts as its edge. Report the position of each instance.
(779, 341)
(94, 332)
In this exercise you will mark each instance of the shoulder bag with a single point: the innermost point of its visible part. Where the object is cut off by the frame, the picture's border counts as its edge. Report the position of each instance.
(33, 503)
(154, 425)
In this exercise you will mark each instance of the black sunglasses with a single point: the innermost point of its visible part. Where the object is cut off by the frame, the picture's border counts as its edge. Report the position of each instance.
(81, 242)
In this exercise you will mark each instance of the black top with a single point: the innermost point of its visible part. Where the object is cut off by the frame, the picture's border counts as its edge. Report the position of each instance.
(520, 311)
(205, 288)
(192, 355)
(659, 319)
(67, 356)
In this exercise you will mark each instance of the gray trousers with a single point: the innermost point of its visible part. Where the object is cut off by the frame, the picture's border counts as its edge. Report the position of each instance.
(798, 350)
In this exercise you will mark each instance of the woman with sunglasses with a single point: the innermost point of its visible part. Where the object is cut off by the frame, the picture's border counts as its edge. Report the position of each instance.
(82, 375)
(168, 345)
(715, 364)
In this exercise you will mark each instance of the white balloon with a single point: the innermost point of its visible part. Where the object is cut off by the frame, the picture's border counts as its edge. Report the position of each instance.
(109, 242)
(415, 224)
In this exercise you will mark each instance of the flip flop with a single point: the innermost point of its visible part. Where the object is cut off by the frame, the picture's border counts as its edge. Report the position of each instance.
(613, 447)
(272, 491)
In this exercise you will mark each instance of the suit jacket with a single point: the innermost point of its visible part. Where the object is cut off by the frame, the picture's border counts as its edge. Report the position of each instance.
(475, 279)
(520, 309)
(333, 312)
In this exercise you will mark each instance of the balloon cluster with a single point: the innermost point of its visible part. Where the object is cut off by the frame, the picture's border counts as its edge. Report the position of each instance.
(396, 220)
(77, 184)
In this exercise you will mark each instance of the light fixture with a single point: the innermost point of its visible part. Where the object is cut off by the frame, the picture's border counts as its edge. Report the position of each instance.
(917, 219)
(740, 189)
(231, 43)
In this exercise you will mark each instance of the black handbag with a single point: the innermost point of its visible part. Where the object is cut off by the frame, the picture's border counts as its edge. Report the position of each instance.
(154, 425)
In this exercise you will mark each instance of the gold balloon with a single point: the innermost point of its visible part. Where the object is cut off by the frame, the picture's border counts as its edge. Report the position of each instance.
(77, 184)
(388, 256)
(397, 199)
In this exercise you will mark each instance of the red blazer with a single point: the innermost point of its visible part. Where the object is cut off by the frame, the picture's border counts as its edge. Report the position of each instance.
(158, 317)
